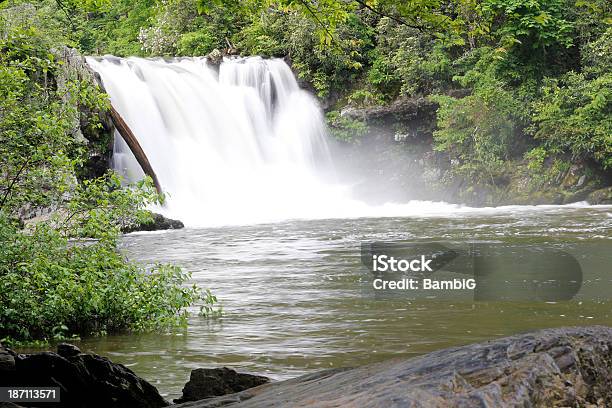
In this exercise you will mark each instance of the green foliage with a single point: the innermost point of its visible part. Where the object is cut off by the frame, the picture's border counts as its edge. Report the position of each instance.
(535, 158)
(210, 307)
(363, 98)
(116, 28)
(51, 287)
(196, 44)
(345, 129)
(597, 55)
(574, 116)
(477, 132)
(406, 62)
(101, 208)
(187, 28)
(328, 70)
(537, 24)
(263, 37)
(37, 148)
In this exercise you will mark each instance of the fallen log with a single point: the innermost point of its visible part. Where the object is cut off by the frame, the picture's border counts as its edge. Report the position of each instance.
(130, 139)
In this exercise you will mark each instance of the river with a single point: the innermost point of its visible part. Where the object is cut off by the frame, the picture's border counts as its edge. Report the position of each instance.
(294, 299)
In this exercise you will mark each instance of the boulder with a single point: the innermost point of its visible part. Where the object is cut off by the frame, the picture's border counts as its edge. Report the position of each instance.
(212, 382)
(7, 361)
(565, 367)
(159, 223)
(601, 196)
(85, 380)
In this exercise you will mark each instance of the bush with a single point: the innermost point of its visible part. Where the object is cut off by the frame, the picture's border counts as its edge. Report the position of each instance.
(52, 288)
(478, 131)
(407, 62)
(574, 117)
(54, 283)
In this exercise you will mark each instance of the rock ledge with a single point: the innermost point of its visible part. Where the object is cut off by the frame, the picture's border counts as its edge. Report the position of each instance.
(565, 367)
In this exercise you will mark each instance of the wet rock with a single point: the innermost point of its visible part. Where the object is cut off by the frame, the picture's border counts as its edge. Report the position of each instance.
(206, 382)
(68, 350)
(85, 380)
(215, 57)
(601, 196)
(548, 368)
(159, 223)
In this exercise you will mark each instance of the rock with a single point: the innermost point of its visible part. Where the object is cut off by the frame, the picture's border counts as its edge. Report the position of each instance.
(215, 57)
(85, 380)
(68, 350)
(212, 382)
(601, 196)
(7, 361)
(548, 368)
(98, 139)
(403, 109)
(159, 223)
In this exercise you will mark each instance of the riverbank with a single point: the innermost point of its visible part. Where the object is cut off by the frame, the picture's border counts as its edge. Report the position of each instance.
(395, 158)
(553, 367)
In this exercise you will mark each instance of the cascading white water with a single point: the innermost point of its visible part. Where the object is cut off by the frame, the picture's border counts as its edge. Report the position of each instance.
(239, 144)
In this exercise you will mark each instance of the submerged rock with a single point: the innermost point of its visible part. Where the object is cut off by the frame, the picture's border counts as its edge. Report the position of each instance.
(554, 367)
(212, 382)
(85, 380)
(159, 223)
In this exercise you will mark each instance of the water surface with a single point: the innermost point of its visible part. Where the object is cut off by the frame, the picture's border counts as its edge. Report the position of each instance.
(294, 299)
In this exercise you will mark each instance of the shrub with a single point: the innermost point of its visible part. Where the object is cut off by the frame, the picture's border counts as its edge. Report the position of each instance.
(478, 131)
(345, 129)
(573, 116)
(54, 283)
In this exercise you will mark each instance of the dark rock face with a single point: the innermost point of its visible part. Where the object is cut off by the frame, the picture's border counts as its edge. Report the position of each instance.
(85, 380)
(159, 223)
(212, 382)
(566, 367)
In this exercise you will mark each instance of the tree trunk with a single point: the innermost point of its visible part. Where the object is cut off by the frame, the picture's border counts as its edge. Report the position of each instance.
(125, 132)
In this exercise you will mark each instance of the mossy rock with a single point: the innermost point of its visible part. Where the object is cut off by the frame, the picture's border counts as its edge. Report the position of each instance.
(601, 196)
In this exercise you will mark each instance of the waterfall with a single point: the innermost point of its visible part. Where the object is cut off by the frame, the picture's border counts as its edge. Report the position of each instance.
(237, 143)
